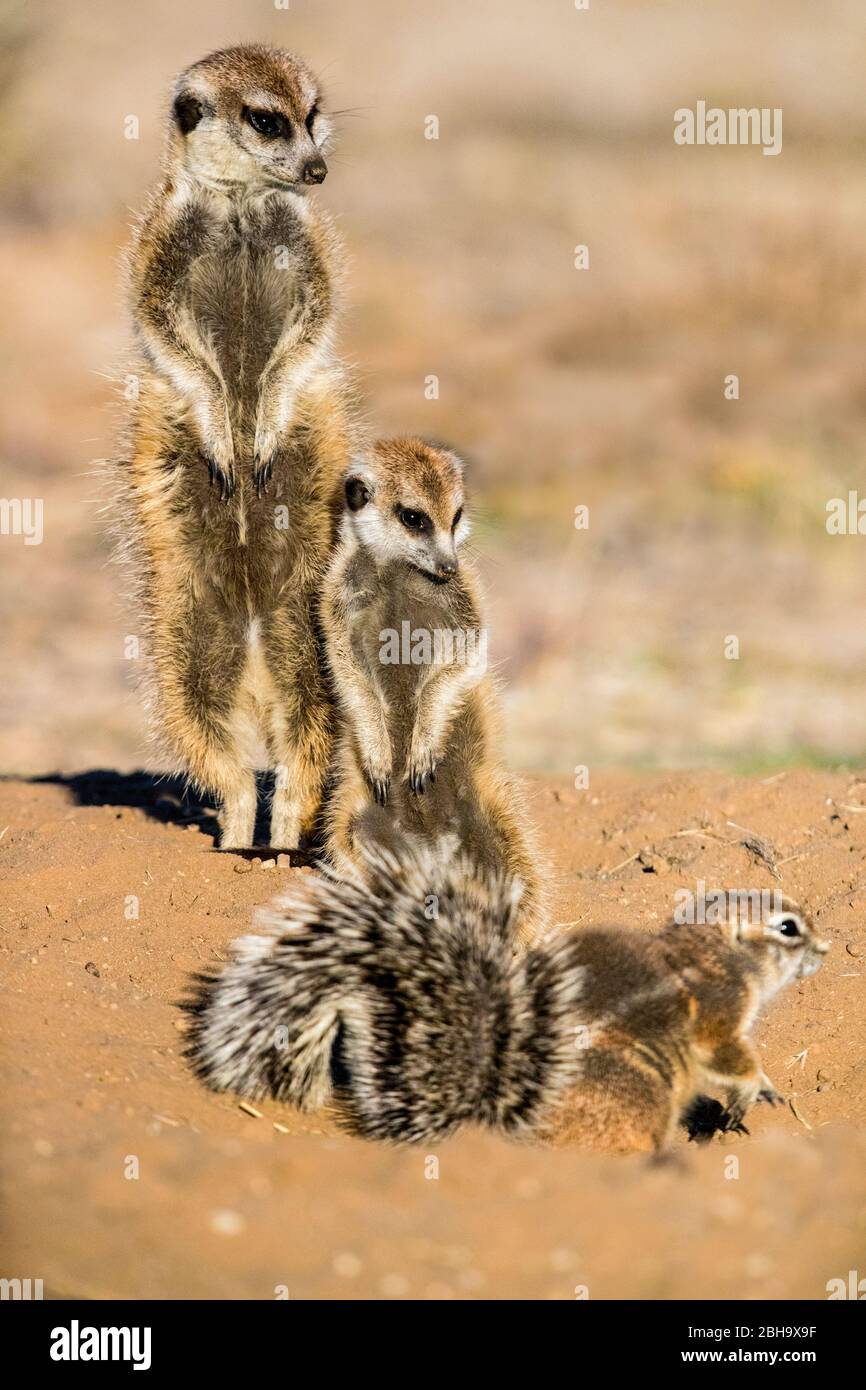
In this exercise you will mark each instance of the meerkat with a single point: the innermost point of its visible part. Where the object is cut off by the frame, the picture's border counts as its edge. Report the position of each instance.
(229, 482)
(405, 642)
(603, 1037)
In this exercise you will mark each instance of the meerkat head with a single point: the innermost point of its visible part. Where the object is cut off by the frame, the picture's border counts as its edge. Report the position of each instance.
(782, 938)
(405, 505)
(250, 117)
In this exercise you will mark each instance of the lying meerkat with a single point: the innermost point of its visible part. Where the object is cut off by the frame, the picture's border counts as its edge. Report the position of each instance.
(228, 487)
(417, 755)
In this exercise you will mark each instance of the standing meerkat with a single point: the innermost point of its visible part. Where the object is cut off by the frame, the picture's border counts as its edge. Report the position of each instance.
(603, 1037)
(417, 755)
(239, 435)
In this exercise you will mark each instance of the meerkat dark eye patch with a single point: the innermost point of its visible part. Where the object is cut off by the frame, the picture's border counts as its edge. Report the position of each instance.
(314, 111)
(357, 494)
(458, 517)
(188, 111)
(414, 521)
(270, 124)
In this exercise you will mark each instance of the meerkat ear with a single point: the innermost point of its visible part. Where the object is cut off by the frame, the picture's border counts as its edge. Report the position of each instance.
(188, 110)
(357, 493)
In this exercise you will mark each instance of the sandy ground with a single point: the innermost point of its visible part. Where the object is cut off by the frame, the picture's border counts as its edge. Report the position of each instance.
(95, 1089)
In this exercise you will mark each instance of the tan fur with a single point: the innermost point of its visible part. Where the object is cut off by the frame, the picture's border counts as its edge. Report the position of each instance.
(418, 756)
(228, 483)
(670, 1019)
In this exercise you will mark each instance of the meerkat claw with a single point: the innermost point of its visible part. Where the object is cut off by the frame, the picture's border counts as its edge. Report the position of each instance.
(262, 474)
(224, 480)
(733, 1122)
(771, 1096)
(380, 787)
(420, 778)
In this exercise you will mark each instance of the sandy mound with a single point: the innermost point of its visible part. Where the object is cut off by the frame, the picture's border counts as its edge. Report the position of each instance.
(113, 896)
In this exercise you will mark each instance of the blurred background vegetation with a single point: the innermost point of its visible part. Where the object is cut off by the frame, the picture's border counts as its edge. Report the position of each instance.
(602, 387)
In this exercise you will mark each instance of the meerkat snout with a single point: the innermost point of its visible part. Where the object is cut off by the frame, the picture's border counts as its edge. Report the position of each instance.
(315, 171)
(251, 117)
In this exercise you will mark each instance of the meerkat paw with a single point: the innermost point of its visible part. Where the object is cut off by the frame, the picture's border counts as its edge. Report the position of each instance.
(421, 772)
(218, 450)
(733, 1117)
(378, 777)
(219, 457)
(263, 471)
(270, 430)
(768, 1092)
(734, 1125)
(224, 479)
(381, 789)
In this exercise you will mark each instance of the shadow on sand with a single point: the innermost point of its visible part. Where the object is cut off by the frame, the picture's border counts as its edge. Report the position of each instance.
(168, 798)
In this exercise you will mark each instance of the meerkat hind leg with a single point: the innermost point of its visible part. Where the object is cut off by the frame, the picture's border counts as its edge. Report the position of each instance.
(237, 815)
(199, 666)
(285, 832)
(298, 776)
(298, 726)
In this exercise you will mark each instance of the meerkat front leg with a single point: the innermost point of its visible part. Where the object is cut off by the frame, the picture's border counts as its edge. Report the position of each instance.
(301, 346)
(735, 1067)
(438, 702)
(177, 347)
(363, 702)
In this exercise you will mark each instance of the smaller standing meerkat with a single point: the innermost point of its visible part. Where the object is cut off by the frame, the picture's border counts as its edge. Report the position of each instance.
(601, 1037)
(417, 757)
(229, 482)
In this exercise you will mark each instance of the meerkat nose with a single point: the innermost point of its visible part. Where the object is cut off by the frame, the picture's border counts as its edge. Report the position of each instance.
(446, 568)
(315, 171)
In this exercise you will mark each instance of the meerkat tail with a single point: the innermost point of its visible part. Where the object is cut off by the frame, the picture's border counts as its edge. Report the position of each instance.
(401, 997)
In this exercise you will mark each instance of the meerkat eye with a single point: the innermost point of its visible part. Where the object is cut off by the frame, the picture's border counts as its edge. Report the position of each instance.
(789, 927)
(267, 123)
(414, 521)
(314, 111)
(458, 516)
